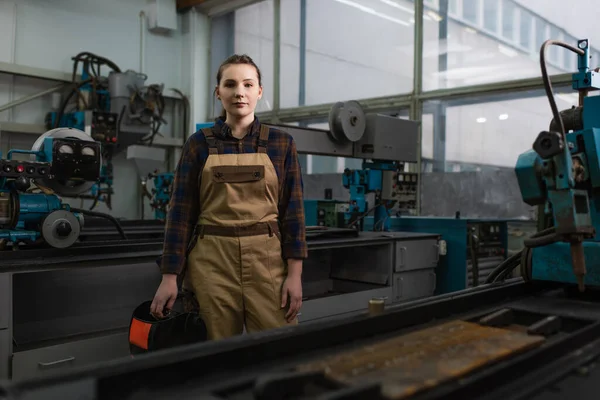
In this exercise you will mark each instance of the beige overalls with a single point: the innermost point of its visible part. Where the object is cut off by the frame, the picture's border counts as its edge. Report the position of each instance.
(235, 269)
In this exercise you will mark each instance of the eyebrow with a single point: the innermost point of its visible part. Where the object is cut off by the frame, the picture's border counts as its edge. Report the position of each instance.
(246, 79)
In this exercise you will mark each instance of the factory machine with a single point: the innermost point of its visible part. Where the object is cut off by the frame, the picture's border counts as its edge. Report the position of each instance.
(160, 193)
(116, 111)
(535, 337)
(63, 160)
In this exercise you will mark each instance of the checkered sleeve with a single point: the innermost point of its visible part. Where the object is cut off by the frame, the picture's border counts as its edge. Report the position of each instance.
(183, 210)
(291, 208)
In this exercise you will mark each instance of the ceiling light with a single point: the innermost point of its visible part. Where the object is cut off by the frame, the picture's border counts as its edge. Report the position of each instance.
(372, 12)
(468, 29)
(437, 17)
(502, 117)
(481, 120)
(398, 6)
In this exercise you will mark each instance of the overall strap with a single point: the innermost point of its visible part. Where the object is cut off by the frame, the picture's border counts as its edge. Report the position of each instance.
(263, 139)
(211, 140)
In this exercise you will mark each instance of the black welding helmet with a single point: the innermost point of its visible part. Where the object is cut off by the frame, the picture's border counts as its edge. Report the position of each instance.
(147, 333)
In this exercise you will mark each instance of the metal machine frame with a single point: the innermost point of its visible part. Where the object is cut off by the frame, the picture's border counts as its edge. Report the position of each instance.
(190, 371)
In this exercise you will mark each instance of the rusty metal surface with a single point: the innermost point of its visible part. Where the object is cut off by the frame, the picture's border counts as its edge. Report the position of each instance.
(410, 363)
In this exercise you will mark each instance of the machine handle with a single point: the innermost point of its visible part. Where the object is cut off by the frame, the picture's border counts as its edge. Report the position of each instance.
(434, 280)
(402, 257)
(398, 284)
(437, 252)
(51, 364)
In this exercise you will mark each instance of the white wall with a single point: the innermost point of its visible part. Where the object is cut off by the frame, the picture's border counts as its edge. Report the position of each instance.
(46, 34)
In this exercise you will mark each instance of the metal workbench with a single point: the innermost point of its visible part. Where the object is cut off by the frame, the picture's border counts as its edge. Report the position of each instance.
(64, 309)
(265, 365)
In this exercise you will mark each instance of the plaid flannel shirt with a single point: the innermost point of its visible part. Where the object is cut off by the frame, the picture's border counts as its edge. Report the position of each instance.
(185, 204)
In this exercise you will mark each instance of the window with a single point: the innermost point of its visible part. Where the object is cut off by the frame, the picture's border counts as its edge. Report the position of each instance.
(459, 50)
(525, 29)
(540, 32)
(352, 49)
(508, 19)
(453, 7)
(470, 10)
(490, 15)
(470, 149)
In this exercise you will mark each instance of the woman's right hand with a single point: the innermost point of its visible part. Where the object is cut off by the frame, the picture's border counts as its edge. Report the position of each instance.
(165, 296)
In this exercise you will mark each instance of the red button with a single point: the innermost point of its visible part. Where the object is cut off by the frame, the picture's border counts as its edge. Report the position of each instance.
(20, 168)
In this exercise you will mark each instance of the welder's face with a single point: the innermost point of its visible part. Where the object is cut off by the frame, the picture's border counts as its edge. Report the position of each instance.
(239, 90)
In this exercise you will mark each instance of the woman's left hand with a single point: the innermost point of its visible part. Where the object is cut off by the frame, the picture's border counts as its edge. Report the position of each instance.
(292, 291)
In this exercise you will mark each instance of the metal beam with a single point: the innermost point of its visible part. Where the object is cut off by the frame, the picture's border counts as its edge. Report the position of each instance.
(214, 8)
(416, 106)
(322, 110)
(34, 96)
(276, 55)
(378, 104)
(185, 4)
(33, 72)
(17, 127)
(38, 129)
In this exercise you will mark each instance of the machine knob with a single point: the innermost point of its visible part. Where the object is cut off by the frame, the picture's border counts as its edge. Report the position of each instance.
(22, 183)
(548, 144)
(63, 229)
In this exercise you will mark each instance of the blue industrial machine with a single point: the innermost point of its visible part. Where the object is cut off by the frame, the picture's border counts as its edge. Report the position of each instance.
(161, 193)
(62, 161)
(116, 111)
(562, 174)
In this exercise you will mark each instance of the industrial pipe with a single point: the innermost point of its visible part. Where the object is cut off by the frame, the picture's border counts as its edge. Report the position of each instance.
(572, 120)
(30, 97)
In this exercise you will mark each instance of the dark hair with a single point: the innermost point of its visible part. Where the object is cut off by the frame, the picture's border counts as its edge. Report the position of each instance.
(237, 59)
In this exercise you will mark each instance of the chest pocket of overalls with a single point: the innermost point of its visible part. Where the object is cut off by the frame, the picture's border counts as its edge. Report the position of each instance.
(245, 188)
(238, 173)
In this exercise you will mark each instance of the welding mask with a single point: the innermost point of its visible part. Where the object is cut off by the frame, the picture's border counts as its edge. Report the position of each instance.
(147, 333)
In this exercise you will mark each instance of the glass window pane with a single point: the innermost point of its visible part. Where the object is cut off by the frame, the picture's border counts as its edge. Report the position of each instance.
(525, 29)
(354, 49)
(457, 52)
(540, 32)
(470, 10)
(254, 36)
(452, 6)
(508, 18)
(490, 15)
(485, 135)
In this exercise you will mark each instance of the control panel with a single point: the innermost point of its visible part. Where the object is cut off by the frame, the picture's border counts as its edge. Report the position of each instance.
(401, 187)
(14, 169)
(104, 127)
(486, 249)
(76, 160)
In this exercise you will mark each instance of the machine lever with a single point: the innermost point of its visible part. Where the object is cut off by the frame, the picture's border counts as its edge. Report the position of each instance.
(51, 364)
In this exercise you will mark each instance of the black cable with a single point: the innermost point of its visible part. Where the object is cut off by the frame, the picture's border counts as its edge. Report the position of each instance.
(548, 85)
(516, 258)
(102, 215)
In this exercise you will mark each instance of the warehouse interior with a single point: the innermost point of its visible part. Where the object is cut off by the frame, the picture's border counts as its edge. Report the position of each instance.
(449, 152)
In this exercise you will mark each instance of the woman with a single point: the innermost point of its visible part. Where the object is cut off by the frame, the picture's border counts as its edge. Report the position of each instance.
(237, 198)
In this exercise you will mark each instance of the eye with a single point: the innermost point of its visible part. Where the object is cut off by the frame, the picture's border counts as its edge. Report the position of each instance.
(248, 85)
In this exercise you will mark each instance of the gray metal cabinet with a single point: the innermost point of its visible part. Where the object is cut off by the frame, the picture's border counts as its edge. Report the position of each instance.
(30, 363)
(416, 254)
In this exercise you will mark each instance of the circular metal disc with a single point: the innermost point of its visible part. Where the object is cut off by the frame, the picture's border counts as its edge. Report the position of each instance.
(66, 188)
(51, 223)
(347, 121)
